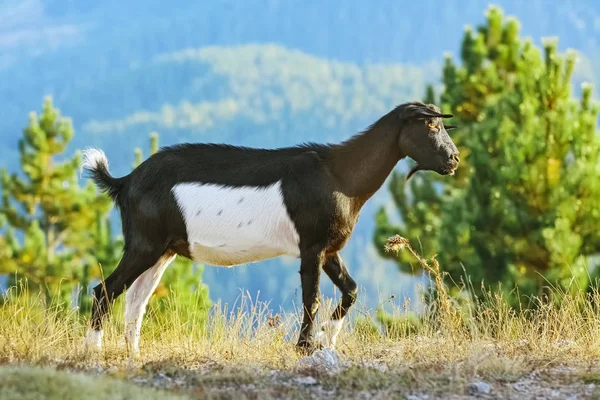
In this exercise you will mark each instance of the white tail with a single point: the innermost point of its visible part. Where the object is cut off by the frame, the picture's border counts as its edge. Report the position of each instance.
(92, 159)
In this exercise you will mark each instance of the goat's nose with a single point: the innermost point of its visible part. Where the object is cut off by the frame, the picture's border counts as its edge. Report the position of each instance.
(456, 158)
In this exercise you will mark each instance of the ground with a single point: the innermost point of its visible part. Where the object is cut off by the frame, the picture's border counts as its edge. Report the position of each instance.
(458, 347)
(488, 372)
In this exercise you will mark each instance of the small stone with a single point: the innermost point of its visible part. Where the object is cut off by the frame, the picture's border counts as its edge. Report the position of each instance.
(326, 360)
(111, 370)
(180, 382)
(305, 380)
(364, 395)
(375, 365)
(562, 343)
(162, 380)
(479, 387)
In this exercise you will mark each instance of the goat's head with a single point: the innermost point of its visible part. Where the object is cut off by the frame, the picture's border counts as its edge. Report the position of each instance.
(424, 138)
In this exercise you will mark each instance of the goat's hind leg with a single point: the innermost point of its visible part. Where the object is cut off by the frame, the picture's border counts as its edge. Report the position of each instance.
(338, 273)
(137, 297)
(132, 264)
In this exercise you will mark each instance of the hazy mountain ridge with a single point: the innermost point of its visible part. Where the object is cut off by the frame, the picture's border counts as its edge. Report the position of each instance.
(265, 84)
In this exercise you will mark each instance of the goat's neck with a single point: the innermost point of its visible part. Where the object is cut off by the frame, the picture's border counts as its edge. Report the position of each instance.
(362, 164)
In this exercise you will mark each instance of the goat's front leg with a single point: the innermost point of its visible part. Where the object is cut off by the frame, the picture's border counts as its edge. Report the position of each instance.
(338, 273)
(310, 270)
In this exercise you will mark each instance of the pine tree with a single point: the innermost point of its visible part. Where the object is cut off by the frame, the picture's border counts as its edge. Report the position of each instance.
(47, 215)
(524, 207)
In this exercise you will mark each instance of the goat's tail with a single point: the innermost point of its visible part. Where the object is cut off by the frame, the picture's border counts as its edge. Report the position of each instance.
(95, 161)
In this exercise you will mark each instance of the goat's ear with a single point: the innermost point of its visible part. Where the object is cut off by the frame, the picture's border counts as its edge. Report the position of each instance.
(448, 127)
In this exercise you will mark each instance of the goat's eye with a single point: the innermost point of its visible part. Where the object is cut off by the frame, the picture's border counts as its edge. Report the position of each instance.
(433, 126)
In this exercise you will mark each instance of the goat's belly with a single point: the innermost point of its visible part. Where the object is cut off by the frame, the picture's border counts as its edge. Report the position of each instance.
(230, 226)
(229, 256)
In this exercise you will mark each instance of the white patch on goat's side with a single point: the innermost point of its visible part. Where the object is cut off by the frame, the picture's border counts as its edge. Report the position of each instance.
(229, 226)
(328, 332)
(92, 158)
(136, 300)
(93, 339)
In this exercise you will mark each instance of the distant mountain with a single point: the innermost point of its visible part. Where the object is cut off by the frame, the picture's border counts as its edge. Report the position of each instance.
(260, 73)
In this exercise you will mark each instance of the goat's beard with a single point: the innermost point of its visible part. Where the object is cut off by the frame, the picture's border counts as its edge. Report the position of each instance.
(412, 171)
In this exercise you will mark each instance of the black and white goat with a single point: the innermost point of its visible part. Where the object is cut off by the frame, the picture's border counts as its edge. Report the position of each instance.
(225, 205)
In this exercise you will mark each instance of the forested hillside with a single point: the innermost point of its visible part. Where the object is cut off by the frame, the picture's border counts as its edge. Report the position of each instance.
(260, 73)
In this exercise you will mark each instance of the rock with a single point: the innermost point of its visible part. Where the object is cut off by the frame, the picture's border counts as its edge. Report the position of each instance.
(140, 380)
(381, 367)
(320, 392)
(180, 381)
(111, 370)
(305, 380)
(565, 343)
(161, 376)
(417, 397)
(161, 380)
(248, 388)
(325, 360)
(479, 387)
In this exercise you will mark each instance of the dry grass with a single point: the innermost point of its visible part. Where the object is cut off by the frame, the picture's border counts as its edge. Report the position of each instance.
(250, 349)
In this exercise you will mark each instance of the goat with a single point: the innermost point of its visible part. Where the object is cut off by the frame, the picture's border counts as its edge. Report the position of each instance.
(225, 205)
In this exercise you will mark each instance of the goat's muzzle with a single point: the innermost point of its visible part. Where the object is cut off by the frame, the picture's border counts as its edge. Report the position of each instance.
(452, 165)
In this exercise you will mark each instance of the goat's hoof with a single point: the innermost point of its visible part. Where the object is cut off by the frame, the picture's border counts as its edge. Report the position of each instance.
(133, 353)
(304, 347)
(307, 347)
(90, 350)
(321, 337)
(328, 332)
(132, 359)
